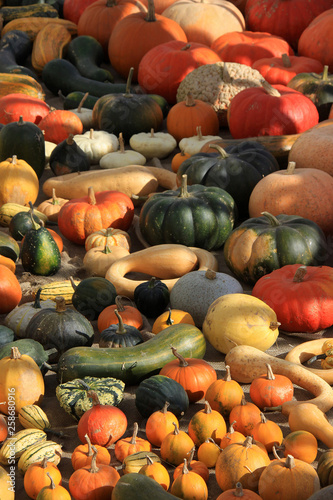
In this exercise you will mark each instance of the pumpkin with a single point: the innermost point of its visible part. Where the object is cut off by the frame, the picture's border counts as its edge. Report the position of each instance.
(80, 217)
(93, 479)
(195, 375)
(83, 454)
(150, 30)
(153, 145)
(99, 19)
(22, 382)
(279, 111)
(246, 47)
(176, 446)
(203, 23)
(103, 423)
(178, 159)
(302, 445)
(224, 394)
(271, 390)
(10, 290)
(315, 203)
(156, 471)
(53, 492)
(98, 260)
(282, 69)
(192, 145)
(240, 319)
(122, 157)
(208, 452)
(324, 468)
(130, 315)
(238, 491)
(6, 261)
(288, 478)
(38, 476)
(170, 317)
(12, 106)
(67, 157)
(245, 416)
(19, 181)
(189, 485)
(127, 445)
(230, 437)
(151, 297)
(207, 227)
(58, 124)
(134, 462)
(92, 295)
(250, 261)
(236, 169)
(194, 465)
(315, 41)
(96, 143)
(159, 424)
(241, 462)
(174, 60)
(52, 206)
(204, 423)
(120, 335)
(267, 432)
(281, 18)
(73, 9)
(195, 291)
(110, 237)
(289, 291)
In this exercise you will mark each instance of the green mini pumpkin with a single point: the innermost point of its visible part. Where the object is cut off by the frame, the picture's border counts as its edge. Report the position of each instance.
(73, 396)
(120, 335)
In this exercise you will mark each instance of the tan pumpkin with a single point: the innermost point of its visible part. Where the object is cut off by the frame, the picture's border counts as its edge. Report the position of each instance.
(19, 182)
(108, 237)
(98, 260)
(52, 206)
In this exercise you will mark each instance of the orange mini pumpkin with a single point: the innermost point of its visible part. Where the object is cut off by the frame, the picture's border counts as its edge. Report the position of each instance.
(127, 446)
(83, 453)
(38, 475)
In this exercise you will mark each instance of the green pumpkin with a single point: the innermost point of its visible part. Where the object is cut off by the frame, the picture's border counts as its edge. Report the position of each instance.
(194, 216)
(32, 348)
(151, 297)
(6, 335)
(318, 88)
(26, 141)
(152, 394)
(127, 113)
(67, 157)
(60, 327)
(21, 223)
(120, 335)
(92, 295)
(73, 397)
(262, 244)
(236, 169)
(40, 254)
(9, 247)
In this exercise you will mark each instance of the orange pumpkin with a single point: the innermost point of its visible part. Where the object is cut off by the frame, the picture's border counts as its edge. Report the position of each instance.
(129, 314)
(194, 465)
(316, 40)
(156, 471)
(204, 423)
(178, 159)
(300, 444)
(189, 485)
(52, 206)
(246, 415)
(126, 446)
(271, 390)
(159, 424)
(3, 428)
(268, 433)
(37, 476)
(208, 452)
(58, 124)
(240, 492)
(19, 182)
(83, 453)
(176, 446)
(224, 394)
(10, 290)
(230, 437)
(7, 262)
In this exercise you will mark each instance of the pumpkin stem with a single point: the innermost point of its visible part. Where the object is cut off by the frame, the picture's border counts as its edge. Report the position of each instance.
(208, 408)
(94, 396)
(165, 407)
(187, 46)
(183, 193)
(274, 451)
(91, 196)
(152, 133)
(227, 376)
(55, 200)
(121, 328)
(185, 468)
(176, 431)
(149, 460)
(189, 102)
(169, 320)
(270, 374)
(82, 102)
(182, 360)
(15, 353)
(269, 89)
(191, 456)
(70, 140)
(121, 143)
(223, 153)
(135, 433)
(36, 304)
(231, 427)
(151, 12)
(91, 134)
(263, 418)
(72, 282)
(290, 168)
(199, 133)
(93, 467)
(119, 304)
(60, 304)
(299, 275)
(239, 490)
(286, 61)
(210, 274)
(90, 450)
(128, 83)
(52, 485)
(44, 462)
(325, 72)
(272, 220)
(274, 325)
(290, 462)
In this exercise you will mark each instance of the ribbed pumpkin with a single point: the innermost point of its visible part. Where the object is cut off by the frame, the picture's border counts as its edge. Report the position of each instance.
(19, 182)
(108, 237)
(38, 475)
(83, 454)
(223, 394)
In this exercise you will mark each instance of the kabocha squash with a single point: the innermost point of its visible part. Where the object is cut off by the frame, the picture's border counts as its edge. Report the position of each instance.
(13, 393)
(31, 348)
(250, 260)
(240, 319)
(121, 335)
(92, 295)
(19, 181)
(207, 227)
(74, 396)
(50, 43)
(133, 363)
(80, 217)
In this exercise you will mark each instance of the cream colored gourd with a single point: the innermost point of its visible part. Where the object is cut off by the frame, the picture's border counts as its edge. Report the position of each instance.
(49, 147)
(195, 292)
(85, 114)
(153, 144)
(122, 157)
(7, 485)
(96, 144)
(193, 145)
(167, 262)
(240, 319)
(98, 260)
(247, 363)
(301, 353)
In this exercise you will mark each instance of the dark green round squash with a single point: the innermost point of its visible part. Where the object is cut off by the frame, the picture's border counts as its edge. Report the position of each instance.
(21, 223)
(61, 328)
(152, 394)
(268, 243)
(6, 335)
(67, 157)
(151, 297)
(32, 348)
(120, 335)
(9, 247)
(236, 169)
(195, 216)
(92, 295)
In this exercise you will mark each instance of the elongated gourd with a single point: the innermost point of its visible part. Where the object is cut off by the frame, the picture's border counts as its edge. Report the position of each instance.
(308, 417)
(247, 363)
(303, 352)
(133, 363)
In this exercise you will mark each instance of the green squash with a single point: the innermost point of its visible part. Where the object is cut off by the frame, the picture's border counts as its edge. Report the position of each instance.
(26, 141)
(194, 216)
(40, 254)
(151, 297)
(120, 335)
(236, 169)
(73, 397)
(262, 244)
(21, 223)
(318, 88)
(60, 327)
(67, 157)
(92, 295)
(9, 247)
(152, 394)
(32, 348)
(6, 335)
(15, 47)
(133, 486)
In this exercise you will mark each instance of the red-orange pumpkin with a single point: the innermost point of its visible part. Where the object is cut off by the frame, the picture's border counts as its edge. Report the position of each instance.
(58, 124)
(271, 390)
(317, 41)
(73, 9)
(32, 109)
(10, 290)
(245, 416)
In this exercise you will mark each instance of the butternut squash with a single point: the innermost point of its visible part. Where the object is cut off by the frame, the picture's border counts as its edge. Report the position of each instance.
(135, 180)
(303, 352)
(167, 262)
(246, 363)
(308, 417)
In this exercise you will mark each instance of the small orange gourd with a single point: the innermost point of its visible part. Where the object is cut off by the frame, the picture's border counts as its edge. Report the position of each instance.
(38, 476)
(126, 446)
(300, 444)
(83, 453)
(176, 446)
(53, 492)
(271, 390)
(239, 492)
(189, 485)
(3, 428)
(130, 315)
(224, 394)
(159, 424)
(230, 437)
(178, 159)
(246, 415)
(156, 471)
(171, 317)
(268, 433)
(208, 452)
(194, 465)
(204, 423)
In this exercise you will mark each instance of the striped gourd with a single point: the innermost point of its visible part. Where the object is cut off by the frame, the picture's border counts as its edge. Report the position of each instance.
(19, 442)
(73, 397)
(49, 44)
(57, 289)
(135, 461)
(13, 83)
(8, 13)
(37, 452)
(8, 210)
(33, 417)
(33, 25)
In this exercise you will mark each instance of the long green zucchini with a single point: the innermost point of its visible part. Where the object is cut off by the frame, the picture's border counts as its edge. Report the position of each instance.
(133, 486)
(132, 364)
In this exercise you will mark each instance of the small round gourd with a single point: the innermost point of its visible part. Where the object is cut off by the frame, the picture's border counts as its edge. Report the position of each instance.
(195, 291)
(120, 335)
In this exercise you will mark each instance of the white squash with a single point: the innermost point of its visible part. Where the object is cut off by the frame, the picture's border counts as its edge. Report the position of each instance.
(49, 147)
(122, 157)
(194, 292)
(85, 114)
(96, 144)
(153, 144)
(193, 145)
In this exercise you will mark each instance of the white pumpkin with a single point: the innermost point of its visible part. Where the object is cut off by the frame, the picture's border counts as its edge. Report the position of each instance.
(193, 145)
(194, 292)
(49, 147)
(85, 115)
(122, 157)
(153, 144)
(96, 144)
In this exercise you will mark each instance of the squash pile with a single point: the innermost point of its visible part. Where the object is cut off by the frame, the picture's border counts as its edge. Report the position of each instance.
(166, 222)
